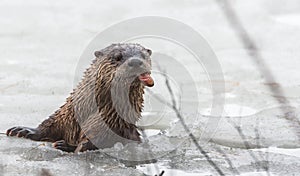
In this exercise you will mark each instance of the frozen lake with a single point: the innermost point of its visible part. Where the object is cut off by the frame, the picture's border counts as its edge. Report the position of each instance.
(41, 44)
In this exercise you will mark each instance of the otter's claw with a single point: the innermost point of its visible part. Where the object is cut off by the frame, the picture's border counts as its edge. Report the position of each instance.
(12, 131)
(29, 133)
(64, 146)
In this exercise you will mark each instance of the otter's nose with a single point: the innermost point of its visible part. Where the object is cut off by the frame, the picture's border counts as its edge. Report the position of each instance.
(135, 63)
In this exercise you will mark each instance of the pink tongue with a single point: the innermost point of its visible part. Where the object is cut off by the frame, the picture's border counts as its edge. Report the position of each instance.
(146, 79)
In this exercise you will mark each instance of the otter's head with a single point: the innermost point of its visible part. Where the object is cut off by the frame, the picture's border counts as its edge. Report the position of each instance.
(123, 72)
(127, 63)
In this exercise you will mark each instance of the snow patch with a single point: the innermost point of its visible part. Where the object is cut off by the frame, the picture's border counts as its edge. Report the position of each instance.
(290, 152)
(151, 169)
(233, 110)
(290, 19)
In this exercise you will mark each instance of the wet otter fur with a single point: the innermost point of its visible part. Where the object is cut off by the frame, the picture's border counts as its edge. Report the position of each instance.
(104, 107)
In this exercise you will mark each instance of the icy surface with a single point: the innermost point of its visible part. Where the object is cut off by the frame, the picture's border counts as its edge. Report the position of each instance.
(41, 42)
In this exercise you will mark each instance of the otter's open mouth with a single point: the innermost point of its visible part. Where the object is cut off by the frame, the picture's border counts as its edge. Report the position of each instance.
(146, 79)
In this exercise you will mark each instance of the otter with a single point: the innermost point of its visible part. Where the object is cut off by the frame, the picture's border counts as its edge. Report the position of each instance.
(104, 107)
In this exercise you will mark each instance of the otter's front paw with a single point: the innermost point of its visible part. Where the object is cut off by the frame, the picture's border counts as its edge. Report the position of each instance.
(84, 146)
(64, 146)
(30, 133)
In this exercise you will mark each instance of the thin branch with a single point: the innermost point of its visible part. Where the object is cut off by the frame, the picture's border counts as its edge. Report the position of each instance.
(258, 59)
(161, 174)
(257, 136)
(179, 116)
(171, 93)
(254, 53)
(247, 145)
(233, 169)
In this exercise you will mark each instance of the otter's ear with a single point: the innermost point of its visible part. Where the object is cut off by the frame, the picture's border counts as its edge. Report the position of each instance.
(149, 52)
(98, 53)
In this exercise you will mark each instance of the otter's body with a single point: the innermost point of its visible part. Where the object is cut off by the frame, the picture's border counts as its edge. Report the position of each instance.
(104, 107)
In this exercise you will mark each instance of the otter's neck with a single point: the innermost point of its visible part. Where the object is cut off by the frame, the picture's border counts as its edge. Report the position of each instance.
(126, 101)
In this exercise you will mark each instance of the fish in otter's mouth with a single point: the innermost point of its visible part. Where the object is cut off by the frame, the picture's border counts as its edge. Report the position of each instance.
(146, 79)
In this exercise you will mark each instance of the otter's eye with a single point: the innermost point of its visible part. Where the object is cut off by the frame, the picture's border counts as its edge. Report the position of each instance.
(149, 52)
(118, 56)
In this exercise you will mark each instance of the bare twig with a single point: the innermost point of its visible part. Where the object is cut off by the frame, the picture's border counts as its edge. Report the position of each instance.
(257, 136)
(256, 56)
(213, 164)
(161, 174)
(232, 168)
(246, 143)
(181, 119)
(253, 52)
